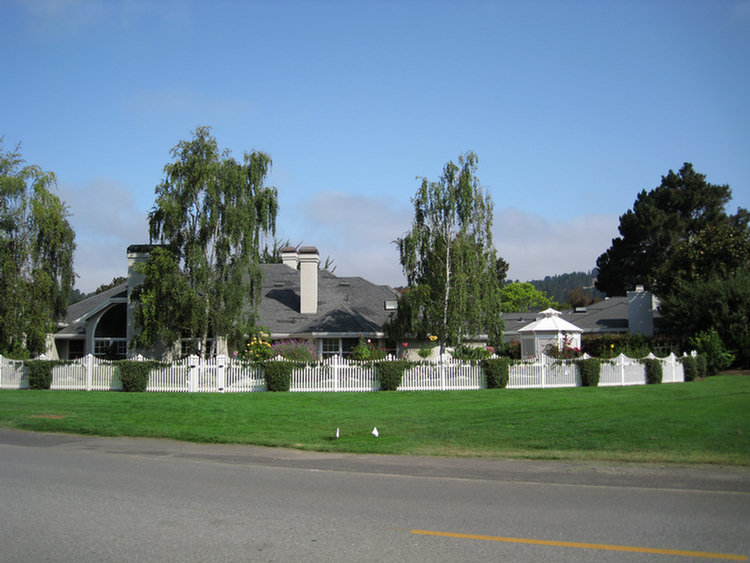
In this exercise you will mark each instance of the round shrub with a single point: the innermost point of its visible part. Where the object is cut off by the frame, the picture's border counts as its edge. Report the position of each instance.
(134, 375)
(40, 373)
(390, 374)
(278, 375)
(689, 367)
(497, 372)
(653, 371)
(702, 364)
(590, 369)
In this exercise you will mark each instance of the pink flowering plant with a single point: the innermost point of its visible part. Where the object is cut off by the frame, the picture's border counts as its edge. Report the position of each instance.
(294, 350)
(567, 352)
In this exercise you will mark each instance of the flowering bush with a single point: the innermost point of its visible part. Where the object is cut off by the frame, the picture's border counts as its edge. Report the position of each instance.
(257, 349)
(567, 352)
(295, 350)
(367, 351)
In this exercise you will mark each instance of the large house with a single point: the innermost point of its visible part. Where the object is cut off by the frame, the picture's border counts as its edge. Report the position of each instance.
(298, 301)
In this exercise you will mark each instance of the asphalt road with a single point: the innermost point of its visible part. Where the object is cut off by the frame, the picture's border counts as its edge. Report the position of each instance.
(71, 498)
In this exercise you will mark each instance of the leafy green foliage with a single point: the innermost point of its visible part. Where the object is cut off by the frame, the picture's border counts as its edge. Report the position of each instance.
(209, 214)
(709, 345)
(391, 373)
(36, 256)
(715, 305)
(654, 371)
(40, 373)
(689, 368)
(134, 375)
(516, 297)
(279, 374)
(449, 261)
(611, 345)
(591, 369)
(662, 219)
(471, 353)
(497, 372)
(367, 351)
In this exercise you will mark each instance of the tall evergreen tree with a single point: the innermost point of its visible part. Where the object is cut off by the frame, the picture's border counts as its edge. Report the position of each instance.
(661, 219)
(449, 261)
(209, 215)
(36, 255)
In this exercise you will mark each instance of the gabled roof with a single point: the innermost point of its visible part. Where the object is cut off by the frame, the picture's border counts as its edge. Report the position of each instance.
(550, 321)
(346, 305)
(607, 316)
(78, 313)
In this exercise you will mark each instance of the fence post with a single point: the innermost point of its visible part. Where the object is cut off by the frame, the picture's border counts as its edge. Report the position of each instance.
(193, 372)
(442, 372)
(621, 363)
(220, 372)
(337, 361)
(89, 361)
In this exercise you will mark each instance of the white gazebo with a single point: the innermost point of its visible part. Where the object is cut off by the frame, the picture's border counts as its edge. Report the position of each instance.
(548, 329)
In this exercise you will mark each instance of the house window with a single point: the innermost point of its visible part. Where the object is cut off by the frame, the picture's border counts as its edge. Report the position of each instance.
(111, 348)
(337, 347)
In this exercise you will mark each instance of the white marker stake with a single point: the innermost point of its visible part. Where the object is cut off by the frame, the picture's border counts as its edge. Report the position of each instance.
(337, 433)
(375, 432)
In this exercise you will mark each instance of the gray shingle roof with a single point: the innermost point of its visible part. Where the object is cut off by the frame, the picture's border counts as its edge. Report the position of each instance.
(73, 326)
(346, 305)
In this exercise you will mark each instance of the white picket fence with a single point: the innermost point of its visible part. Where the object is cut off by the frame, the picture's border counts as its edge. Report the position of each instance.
(334, 374)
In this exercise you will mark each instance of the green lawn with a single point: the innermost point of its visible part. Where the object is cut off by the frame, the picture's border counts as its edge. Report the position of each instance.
(705, 421)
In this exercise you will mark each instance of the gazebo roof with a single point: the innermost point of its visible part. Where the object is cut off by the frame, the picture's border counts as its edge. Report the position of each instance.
(550, 321)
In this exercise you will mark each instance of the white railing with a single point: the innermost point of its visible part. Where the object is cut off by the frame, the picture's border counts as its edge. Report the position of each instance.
(334, 374)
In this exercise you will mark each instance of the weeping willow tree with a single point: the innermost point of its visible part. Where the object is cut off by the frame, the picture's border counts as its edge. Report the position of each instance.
(450, 262)
(208, 218)
(36, 256)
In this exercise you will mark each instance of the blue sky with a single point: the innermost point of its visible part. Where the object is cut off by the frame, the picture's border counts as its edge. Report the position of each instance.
(572, 108)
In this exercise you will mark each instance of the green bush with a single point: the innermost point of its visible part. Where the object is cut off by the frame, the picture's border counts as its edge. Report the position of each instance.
(367, 351)
(471, 353)
(709, 344)
(278, 375)
(497, 372)
(689, 367)
(702, 365)
(390, 374)
(40, 373)
(134, 375)
(590, 369)
(653, 371)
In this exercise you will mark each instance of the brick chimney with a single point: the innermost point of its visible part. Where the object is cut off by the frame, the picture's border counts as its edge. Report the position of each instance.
(308, 278)
(289, 256)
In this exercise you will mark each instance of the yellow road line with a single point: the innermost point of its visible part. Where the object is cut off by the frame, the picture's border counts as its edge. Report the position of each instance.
(586, 545)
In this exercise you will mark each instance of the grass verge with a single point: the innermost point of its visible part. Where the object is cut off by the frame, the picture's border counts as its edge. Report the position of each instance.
(705, 421)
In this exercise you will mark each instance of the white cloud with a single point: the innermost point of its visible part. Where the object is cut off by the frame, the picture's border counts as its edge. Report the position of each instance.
(357, 232)
(536, 247)
(106, 220)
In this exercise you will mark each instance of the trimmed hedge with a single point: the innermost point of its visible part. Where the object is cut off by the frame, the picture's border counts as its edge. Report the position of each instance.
(40, 373)
(497, 372)
(689, 367)
(702, 364)
(390, 374)
(134, 375)
(591, 369)
(653, 371)
(279, 374)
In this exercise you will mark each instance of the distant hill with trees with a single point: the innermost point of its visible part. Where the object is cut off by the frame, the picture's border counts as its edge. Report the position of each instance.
(576, 288)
